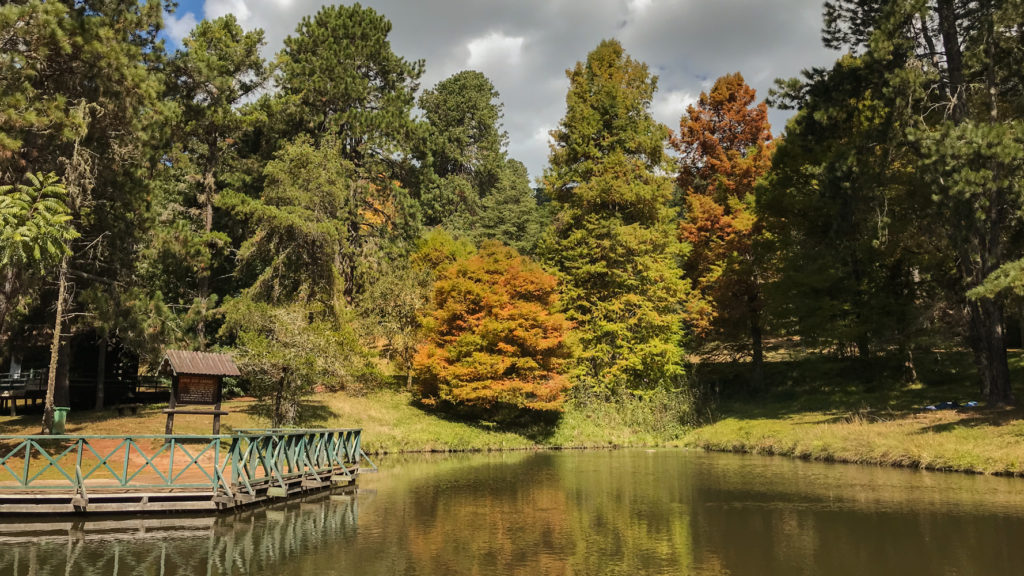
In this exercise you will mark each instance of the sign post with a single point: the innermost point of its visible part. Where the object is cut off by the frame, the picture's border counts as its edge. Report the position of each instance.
(197, 380)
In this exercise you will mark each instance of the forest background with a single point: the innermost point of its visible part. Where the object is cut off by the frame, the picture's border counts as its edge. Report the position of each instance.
(337, 227)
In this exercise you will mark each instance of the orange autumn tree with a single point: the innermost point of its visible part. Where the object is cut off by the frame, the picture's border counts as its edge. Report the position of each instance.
(492, 340)
(725, 146)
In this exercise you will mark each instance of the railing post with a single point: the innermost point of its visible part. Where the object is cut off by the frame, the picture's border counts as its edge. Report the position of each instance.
(170, 465)
(28, 461)
(127, 453)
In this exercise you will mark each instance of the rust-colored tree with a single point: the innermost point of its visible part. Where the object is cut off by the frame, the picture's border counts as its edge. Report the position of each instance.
(725, 144)
(492, 339)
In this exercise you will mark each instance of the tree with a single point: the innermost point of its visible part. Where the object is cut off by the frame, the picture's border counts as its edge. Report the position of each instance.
(725, 147)
(463, 148)
(286, 357)
(493, 340)
(838, 187)
(949, 71)
(307, 227)
(35, 234)
(218, 68)
(612, 241)
(468, 183)
(510, 213)
(81, 96)
(391, 306)
(338, 76)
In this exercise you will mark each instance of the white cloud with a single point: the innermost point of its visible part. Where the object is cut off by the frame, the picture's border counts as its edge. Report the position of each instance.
(542, 135)
(668, 107)
(494, 49)
(639, 5)
(525, 46)
(218, 8)
(179, 27)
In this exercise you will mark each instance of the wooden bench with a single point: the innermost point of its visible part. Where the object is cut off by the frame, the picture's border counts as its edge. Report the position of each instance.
(196, 411)
(216, 412)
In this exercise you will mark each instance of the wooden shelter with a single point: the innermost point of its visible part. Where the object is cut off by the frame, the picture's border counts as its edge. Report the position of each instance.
(196, 380)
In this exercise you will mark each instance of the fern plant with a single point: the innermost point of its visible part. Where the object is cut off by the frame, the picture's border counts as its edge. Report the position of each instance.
(35, 224)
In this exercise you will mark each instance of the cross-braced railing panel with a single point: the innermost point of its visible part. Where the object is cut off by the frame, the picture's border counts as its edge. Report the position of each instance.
(242, 462)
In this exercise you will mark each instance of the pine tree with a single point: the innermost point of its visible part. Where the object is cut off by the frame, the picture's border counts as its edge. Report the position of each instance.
(468, 183)
(839, 206)
(339, 76)
(612, 241)
(950, 70)
(463, 148)
(217, 69)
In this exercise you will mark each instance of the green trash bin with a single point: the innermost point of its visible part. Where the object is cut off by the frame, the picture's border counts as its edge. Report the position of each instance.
(60, 416)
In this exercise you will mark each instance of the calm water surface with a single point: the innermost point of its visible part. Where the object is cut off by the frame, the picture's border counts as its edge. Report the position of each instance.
(617, 512)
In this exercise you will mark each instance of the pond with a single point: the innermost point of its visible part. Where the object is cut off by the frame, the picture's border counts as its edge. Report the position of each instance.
(597, 512)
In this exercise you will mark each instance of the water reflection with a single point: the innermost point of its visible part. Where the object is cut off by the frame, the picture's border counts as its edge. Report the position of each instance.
(258, 541)
(620, 512)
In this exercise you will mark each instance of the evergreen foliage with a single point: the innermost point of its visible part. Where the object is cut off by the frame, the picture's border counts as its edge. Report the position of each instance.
(302, 213)
(468, 183)
(218, 67)
(612, 241)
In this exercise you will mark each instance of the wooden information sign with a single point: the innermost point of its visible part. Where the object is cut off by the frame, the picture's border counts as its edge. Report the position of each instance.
(198, 389)
(197, 378)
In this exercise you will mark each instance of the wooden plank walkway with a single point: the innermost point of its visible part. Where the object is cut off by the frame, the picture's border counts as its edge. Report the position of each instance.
(158, 473)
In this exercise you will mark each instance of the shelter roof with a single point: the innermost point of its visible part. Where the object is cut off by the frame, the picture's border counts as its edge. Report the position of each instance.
(203, 363)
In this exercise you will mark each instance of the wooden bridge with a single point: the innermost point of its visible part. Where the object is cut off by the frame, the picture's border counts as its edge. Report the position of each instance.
(172, 473)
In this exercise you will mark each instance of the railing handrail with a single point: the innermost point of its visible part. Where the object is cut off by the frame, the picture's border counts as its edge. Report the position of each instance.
(234, 433)
(113, 437)
(228, 462)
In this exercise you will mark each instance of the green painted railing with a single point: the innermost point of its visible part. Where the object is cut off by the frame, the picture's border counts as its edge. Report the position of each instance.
(245, 461)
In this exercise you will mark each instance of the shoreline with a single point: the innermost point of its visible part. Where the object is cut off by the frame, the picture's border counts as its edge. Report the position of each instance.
(978, 442)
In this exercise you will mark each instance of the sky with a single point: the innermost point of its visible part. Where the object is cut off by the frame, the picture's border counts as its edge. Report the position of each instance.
(525, 46)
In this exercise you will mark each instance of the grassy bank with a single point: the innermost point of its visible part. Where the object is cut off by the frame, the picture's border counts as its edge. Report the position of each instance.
(391, 423)
(826, 411)
(866, 418)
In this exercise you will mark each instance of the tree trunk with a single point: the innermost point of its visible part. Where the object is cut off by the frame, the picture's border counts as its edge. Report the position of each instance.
(989, 346)
(9, 294)
(757, 349)
(51, 377)
(209, 189)
(1020, 321)
(277, 416)
(62, 391)
(948, 29)
(909, 369)
(863, 347)
(101, 372)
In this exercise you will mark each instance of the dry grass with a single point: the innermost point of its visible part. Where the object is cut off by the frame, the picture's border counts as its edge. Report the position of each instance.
(390, 422)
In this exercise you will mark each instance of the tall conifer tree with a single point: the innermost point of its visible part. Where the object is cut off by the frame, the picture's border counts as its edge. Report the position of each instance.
(612, 241)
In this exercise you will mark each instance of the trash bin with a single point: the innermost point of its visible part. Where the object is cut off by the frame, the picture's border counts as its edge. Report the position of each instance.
(60, 416)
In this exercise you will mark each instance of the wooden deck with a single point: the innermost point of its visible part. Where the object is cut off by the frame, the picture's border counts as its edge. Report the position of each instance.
(151, 473)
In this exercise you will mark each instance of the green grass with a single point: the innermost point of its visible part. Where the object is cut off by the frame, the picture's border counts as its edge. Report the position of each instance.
(391, 422)
(814, 409)
(835, 414)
